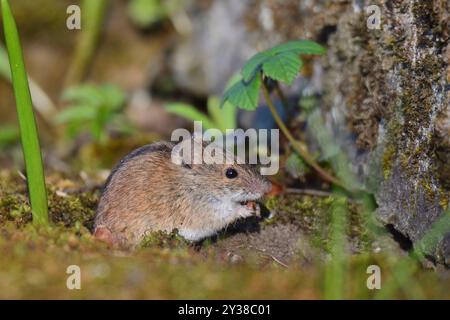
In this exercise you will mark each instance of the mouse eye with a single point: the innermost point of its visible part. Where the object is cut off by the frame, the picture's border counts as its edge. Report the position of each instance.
(231, 173)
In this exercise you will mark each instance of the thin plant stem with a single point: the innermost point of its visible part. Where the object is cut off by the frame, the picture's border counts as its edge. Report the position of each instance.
(309, 192)
(296, 145)
(92, 21)
(336, 269)
(315, 193)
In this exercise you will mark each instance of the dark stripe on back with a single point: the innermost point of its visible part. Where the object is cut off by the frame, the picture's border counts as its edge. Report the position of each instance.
(149, 148)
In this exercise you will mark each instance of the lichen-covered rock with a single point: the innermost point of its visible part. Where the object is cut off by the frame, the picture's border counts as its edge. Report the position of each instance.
(393, 89)
(385, 91)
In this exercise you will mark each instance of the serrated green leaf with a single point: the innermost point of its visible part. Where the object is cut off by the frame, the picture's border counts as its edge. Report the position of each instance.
(299, 47)
(190, 112)
(243, 94)
(281, 63)
(254, 65)
(237, 77)
(283, 67)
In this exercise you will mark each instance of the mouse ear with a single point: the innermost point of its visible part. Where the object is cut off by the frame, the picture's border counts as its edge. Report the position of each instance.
(188, 152)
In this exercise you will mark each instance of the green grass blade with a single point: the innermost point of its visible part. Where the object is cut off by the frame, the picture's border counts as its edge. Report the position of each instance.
(223, 117)
(27, 123)
(335, 272)
(191, 113)
(215, 113)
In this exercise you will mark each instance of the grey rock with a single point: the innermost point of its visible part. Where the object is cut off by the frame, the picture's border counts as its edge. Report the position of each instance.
(203, 62)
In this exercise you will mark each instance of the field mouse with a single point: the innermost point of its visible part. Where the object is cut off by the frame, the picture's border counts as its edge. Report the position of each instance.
(148, 192)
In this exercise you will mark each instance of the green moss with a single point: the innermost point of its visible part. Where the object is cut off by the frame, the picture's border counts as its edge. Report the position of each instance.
(14, 207)
(162, 239)
(388, 161)
(397, 89)
(411, 109)
(74, 208)
(65, 208)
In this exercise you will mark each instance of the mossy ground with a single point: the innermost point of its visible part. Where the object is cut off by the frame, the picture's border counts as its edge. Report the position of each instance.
(242, 263)
(313, 215)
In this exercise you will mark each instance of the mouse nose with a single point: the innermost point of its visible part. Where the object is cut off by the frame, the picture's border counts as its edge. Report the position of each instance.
(274, 189)
(263, 187)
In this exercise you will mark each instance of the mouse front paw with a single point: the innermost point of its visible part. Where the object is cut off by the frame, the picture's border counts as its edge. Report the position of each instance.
(250, 209)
